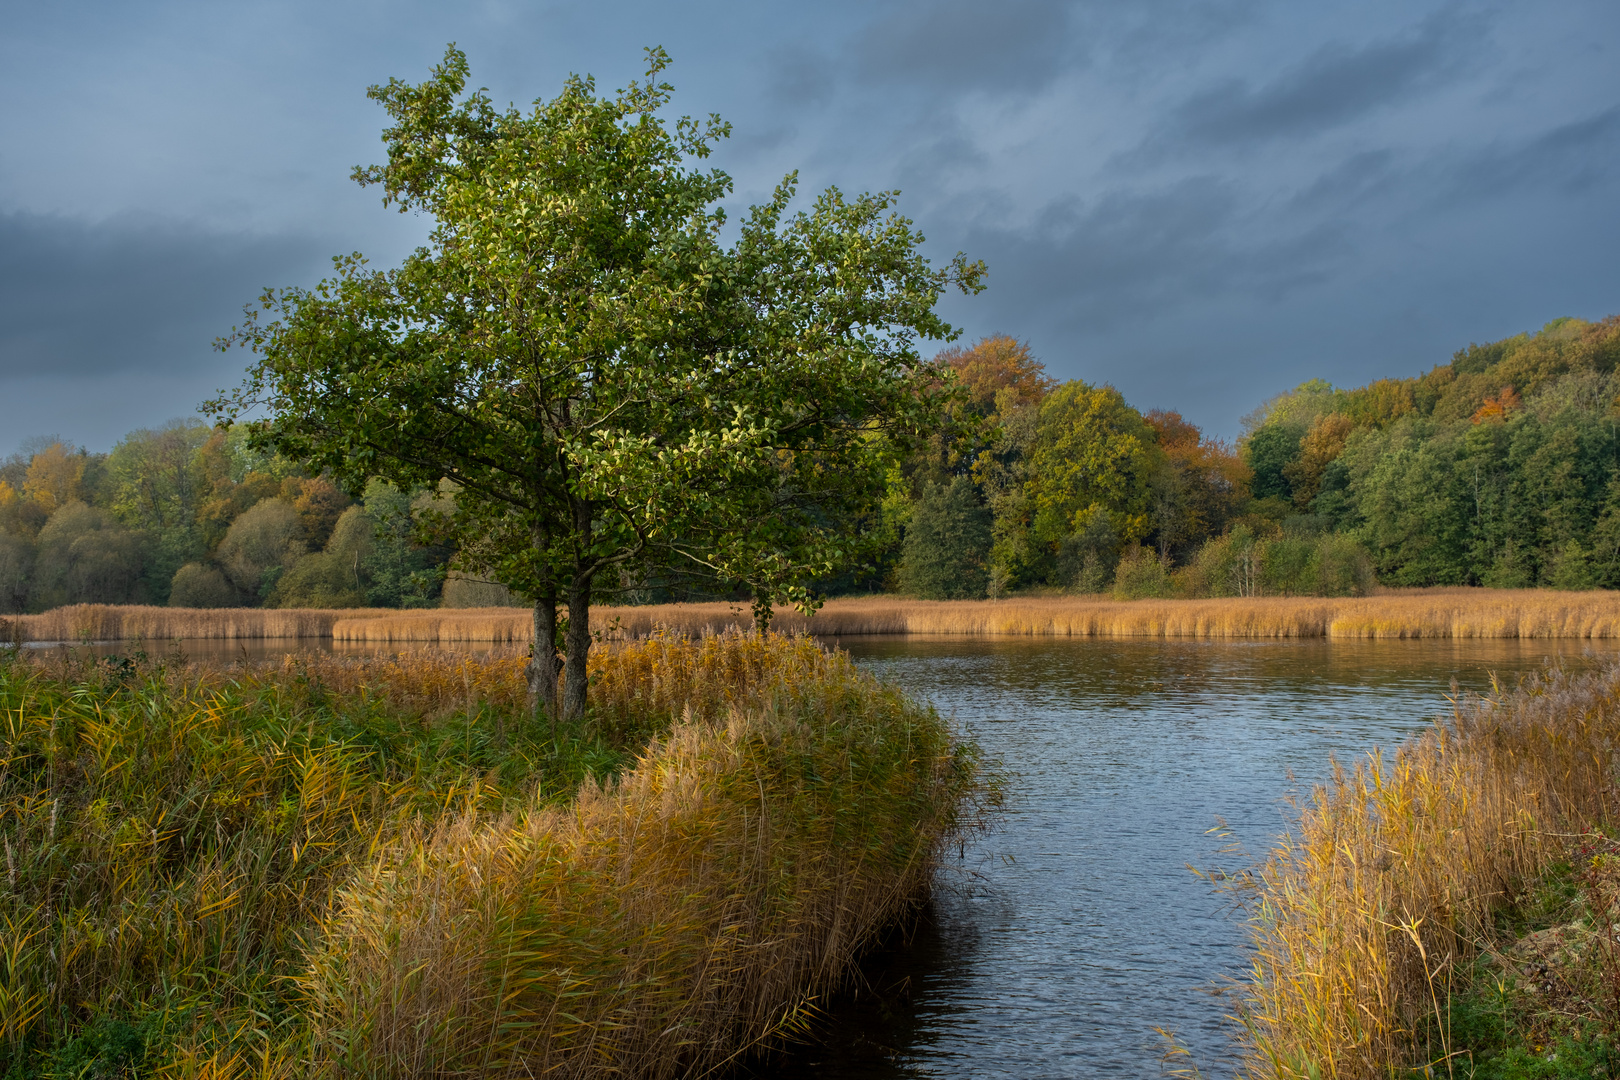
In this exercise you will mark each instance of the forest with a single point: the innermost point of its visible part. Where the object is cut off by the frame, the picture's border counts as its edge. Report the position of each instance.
(1500, 468)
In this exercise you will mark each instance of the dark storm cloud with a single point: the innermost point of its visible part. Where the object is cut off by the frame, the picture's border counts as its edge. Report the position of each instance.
(130, 294)
(1334, 86)
(1353, 180)
(1572, 158)
(1132, 254)
(965, 45)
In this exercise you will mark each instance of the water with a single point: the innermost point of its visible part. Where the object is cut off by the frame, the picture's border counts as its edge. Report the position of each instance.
(1061, 940)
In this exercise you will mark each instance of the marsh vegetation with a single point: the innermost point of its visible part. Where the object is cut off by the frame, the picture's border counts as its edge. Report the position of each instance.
(389, 868)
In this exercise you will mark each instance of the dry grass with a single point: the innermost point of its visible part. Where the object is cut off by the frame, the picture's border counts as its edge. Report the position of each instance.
(1418, 613)
(1440, 613)
(1397, 867)
(112, 622)
(661, 925)
(243, 868)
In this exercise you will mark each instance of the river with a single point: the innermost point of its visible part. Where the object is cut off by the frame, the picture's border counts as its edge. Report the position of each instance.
(1064, 937)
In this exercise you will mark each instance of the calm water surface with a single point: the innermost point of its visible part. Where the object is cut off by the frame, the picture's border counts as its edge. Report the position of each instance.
(1063, 938)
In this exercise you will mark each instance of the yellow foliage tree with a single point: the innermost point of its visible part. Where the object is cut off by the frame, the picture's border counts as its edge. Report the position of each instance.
(1093, 453)
(55, 477)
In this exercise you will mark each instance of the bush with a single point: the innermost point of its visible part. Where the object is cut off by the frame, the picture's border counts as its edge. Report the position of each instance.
(1241, 564)
(461, 591)
(199, 586)
(1140, 575)
(334, 578)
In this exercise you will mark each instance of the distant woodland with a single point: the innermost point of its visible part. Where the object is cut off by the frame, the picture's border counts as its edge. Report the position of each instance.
(1500, 468)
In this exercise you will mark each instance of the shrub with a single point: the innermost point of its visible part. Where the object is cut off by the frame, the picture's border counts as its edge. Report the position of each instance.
(198, 586)
(1140, 575)
(462, 591)
(1240, 564)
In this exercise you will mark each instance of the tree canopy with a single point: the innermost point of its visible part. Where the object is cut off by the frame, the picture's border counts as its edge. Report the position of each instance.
(606, 386)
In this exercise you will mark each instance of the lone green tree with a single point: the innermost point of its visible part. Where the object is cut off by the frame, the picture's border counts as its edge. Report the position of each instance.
(603, 383)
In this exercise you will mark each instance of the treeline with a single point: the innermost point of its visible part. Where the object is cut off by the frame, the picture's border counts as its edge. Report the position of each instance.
(188, 515)
(1048, 486)
(1501, 468)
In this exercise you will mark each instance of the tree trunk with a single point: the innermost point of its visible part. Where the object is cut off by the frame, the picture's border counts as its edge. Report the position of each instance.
(578, 640)
(542, 669)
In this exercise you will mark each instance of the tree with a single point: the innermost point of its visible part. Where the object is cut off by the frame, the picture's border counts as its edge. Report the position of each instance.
(156, 486)
(947, 544)
(602, 383)
(997, 364)
(1093, 454)
(260, 546)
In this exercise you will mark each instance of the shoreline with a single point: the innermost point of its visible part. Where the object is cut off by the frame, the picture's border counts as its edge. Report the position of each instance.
(1405, 614)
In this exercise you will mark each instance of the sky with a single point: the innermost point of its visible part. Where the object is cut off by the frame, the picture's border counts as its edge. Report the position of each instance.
(1200, 203)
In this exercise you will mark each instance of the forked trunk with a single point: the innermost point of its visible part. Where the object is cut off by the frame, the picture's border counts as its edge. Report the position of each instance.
(543, 666)
(578, 641)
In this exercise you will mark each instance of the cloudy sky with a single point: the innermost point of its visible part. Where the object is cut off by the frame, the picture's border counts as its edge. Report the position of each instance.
(1202, 203)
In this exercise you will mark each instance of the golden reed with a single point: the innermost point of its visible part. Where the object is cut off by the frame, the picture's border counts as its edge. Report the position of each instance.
(1451, 613)
(1362, 913)
(1417, 613)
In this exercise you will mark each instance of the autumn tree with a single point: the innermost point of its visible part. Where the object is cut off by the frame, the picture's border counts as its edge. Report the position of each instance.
(1200, 486)
(602, 382)
(1093, 455)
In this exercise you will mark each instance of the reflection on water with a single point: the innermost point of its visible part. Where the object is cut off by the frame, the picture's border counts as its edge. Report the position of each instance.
(1058, 943)
(1066, 936)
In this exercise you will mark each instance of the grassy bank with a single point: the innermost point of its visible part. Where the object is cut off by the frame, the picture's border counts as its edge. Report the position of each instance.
(1416, 613)
(382, 868)
(1372, 916)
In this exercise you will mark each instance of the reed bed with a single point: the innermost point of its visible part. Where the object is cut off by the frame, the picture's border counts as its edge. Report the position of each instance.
(663, 924)
(217, 870)
(1364, 914)
(1441, 613)
(123, 622)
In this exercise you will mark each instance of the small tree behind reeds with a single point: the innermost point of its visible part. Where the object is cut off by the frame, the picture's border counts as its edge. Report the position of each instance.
(1397, 866)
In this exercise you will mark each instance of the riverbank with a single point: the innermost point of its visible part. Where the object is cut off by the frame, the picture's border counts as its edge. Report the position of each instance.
(1371, 916)
(328, 867)
(1395, 614)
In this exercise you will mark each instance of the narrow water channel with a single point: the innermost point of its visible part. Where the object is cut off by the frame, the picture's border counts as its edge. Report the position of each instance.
(1061, 940)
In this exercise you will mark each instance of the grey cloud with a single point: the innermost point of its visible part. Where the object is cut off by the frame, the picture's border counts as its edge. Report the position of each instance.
(1350, 181)
(1086, 269)
(1573, 157)
(966, 45)
(81, 299)
(1334, 86)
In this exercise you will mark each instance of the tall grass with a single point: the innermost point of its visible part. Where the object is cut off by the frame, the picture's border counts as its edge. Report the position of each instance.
(1440, 613)
(1418, 613)
(239, 870)
(662, 924)
(1397, 867)
(169, 837)
(120, 622)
